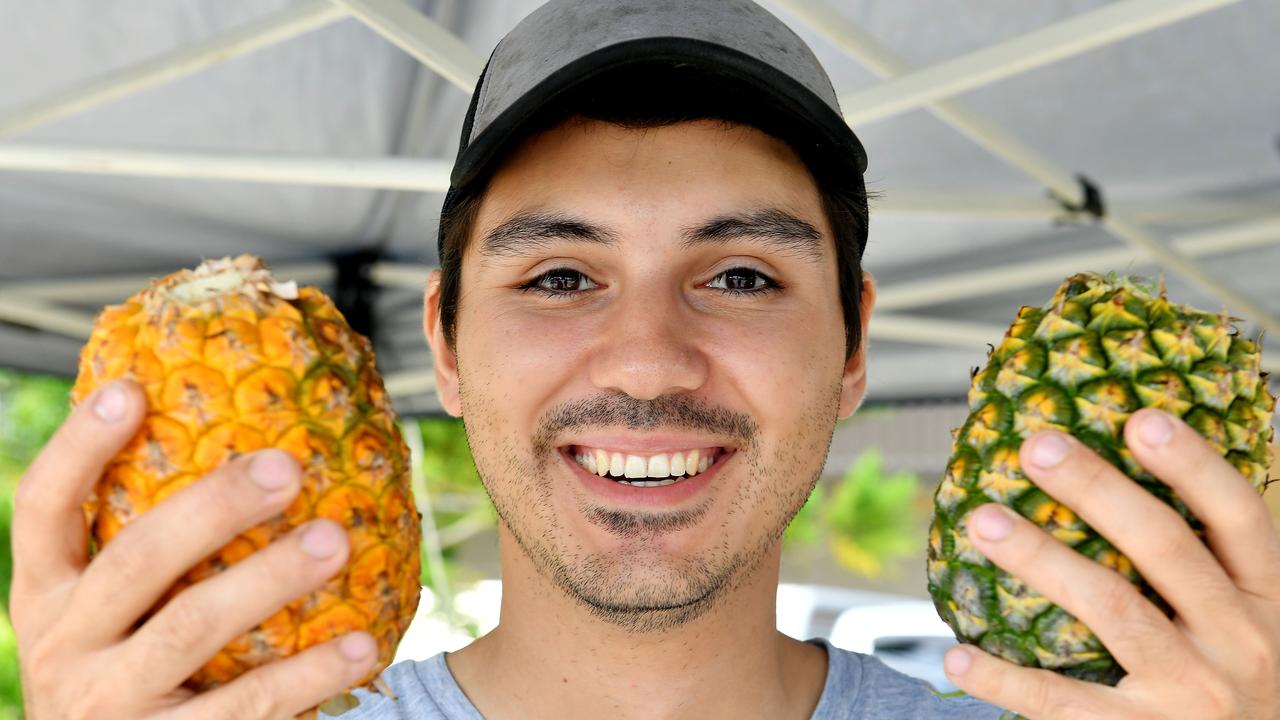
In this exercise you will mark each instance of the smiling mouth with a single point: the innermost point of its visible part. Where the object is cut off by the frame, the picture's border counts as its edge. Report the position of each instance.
(649, 470)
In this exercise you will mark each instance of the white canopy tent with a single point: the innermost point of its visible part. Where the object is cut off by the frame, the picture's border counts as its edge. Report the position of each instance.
(1013, 143)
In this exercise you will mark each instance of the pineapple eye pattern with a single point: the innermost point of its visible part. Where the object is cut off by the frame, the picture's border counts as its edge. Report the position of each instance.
(1101, 349)
(231, 363)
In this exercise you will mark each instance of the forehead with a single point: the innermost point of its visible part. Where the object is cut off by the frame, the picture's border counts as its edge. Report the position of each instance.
(629, 177)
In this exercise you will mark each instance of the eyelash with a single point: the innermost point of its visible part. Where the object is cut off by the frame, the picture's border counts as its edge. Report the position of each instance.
(534, 285)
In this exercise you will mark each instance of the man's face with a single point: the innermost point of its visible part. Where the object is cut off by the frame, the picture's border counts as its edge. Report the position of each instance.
(631, 298)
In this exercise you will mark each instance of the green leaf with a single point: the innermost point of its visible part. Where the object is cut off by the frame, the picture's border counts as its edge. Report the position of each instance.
(873, 516)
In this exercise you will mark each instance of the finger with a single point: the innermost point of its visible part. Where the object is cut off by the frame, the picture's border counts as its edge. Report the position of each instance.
(1237, 523)
(286, 688)
(1031, 692)
(198, 622)
(1135, 632)
(49, 535)
(152, 552)
(1150, 533)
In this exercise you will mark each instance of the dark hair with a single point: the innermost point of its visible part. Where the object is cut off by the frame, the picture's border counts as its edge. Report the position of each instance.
(650, 97)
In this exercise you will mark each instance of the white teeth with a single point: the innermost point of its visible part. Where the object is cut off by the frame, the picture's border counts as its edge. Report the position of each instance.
(649, 483)
(658, 466)
(636, 467)
(677, 464)
(663, 468)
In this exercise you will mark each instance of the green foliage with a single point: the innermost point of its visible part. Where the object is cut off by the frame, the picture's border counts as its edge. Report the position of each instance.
(869, 519)
(10, 682)
(31, 409)
(448, 486)
(873, 516)
(806, 527)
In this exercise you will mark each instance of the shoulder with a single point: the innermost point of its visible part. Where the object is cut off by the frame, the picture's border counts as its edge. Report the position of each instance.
(860, 686)
(424, 690)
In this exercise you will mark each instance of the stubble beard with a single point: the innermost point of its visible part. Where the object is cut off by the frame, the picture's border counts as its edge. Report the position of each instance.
(634, 589)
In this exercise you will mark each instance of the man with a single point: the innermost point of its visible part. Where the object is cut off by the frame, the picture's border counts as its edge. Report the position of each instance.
(650, 315)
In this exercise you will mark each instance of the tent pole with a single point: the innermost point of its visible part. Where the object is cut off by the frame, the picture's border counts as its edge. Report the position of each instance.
(392, 173)
(42, 316)
(407, 383)
(998, 278)
(1058, 41)
(1005, 145)
(421, 37)
(986, 207)
(993, 206)
(258, 34)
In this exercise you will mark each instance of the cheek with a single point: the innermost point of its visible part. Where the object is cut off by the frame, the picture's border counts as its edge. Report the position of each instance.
(785, 368)
(517, 358)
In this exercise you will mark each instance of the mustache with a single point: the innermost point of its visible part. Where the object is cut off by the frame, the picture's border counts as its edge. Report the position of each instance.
(679, 412)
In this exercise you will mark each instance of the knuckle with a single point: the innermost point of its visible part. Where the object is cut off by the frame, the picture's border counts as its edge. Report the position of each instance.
(1118, 599)
(1095, 477)
(125, 559)
(182, 623)
(1035, 691)
(255, 697)
(90, 703)
(1258, 657)
(1219, 699)
(40, 661)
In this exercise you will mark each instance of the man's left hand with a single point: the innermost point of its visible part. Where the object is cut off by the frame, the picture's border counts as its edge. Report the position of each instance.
(1218, 657)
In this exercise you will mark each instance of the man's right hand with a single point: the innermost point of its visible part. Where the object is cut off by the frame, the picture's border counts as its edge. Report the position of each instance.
(82, 652)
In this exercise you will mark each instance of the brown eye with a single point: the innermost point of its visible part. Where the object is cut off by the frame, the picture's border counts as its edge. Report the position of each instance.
(743, 280)
(560, 282)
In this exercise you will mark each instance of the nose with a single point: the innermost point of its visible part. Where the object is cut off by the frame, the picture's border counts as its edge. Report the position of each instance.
(647, 347)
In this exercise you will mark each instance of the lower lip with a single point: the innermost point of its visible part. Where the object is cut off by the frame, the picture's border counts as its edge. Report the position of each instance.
(663, 496)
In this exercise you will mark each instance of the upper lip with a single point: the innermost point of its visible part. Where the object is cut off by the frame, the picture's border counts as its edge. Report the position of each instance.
(648, 445)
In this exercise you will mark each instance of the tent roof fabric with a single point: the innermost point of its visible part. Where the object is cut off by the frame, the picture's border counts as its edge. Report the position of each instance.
(1177, 126)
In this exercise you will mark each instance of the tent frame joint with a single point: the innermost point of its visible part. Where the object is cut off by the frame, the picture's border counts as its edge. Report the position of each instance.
(1091, 207)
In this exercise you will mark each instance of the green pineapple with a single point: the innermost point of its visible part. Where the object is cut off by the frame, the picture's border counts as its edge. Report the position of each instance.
(1101, 349)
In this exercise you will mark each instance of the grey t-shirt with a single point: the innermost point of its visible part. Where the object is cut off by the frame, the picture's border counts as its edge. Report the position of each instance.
(858, 687)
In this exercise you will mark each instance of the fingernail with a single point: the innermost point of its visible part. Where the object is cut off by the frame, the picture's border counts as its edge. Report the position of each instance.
(111, 403)
(357, 646)
(991, 522)
(957, 661)
(1048, 450)
(1155, 429)
(321, 540)
(273, 470)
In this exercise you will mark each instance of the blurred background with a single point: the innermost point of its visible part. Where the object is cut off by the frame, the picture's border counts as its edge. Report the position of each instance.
(1012, 143)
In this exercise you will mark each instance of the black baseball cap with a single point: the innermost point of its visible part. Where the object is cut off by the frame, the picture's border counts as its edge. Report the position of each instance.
(566, 45)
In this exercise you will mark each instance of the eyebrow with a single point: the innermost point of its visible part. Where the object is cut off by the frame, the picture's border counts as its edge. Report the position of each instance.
(777, 228)
(527, 232)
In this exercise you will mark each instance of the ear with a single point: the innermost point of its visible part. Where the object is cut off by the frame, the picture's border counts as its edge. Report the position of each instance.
(853, 386)
(445, 360)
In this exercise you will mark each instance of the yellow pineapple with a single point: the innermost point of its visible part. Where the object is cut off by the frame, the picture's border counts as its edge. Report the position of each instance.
(232, 361)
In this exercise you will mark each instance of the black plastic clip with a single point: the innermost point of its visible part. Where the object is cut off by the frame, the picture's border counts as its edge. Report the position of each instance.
(1092, 203)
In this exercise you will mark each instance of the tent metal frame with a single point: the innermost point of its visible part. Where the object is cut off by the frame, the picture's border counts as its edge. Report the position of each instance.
(903, 88)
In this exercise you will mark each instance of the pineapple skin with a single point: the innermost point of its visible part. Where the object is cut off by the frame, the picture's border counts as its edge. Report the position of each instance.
(263, 365)
(1099, 350)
